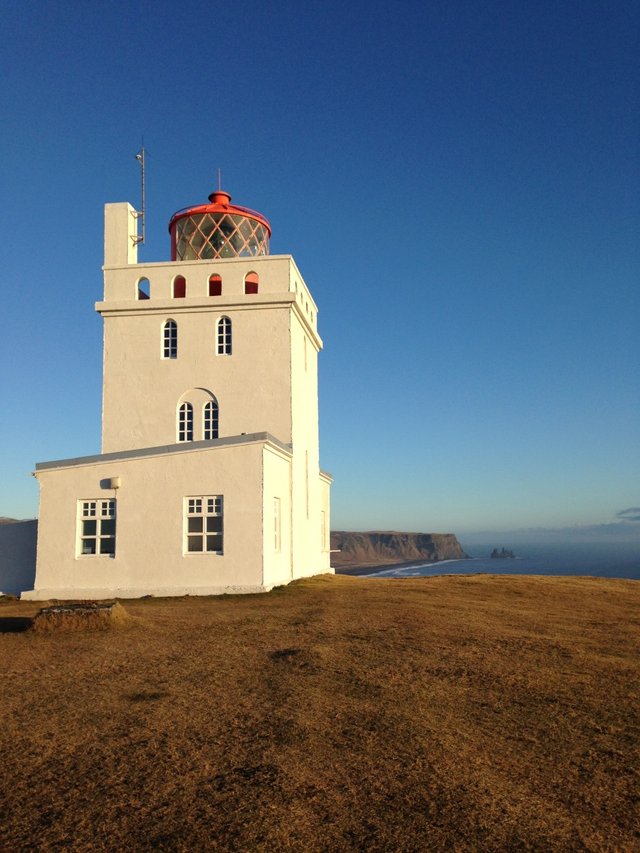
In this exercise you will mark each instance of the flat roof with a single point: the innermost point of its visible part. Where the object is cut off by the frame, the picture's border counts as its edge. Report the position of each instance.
(182, 447)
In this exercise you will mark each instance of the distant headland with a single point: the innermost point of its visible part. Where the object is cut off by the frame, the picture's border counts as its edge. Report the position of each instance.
(375, 548)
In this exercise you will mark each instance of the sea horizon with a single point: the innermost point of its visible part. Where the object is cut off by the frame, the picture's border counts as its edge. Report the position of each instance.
(593, 559)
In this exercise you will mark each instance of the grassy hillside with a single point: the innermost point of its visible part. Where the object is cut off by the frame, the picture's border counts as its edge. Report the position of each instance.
(467, 713)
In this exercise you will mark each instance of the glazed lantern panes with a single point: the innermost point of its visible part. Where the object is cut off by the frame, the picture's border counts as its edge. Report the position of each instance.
(218, 230)
(201, 236)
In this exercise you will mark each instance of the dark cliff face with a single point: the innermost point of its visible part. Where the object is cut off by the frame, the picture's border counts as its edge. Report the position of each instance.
(381, 547)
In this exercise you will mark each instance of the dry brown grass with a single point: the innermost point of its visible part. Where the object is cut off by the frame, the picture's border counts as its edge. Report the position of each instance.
(452, 713)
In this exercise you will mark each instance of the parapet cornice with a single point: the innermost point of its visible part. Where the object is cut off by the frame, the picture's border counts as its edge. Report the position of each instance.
(246, 260)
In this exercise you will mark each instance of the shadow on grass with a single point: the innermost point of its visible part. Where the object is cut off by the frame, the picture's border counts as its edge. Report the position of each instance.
(145, 696)
(14, 624)
(284, 654)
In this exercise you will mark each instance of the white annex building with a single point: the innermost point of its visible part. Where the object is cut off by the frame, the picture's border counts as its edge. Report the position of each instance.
(209, 480)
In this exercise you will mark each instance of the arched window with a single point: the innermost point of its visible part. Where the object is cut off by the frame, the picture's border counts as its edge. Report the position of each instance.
(179, 287)
(251, 282)
(210, 420)
(185, 422)
(224, 336)
(197, 415)
(170, 339)
(143, 289)
(215, 285)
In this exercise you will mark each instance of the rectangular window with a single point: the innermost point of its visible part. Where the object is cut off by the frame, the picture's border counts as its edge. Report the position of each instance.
(276, 524)
(97, 527)
(203, 524)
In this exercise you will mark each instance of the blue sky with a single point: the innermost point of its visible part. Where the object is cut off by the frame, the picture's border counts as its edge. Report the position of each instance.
(458, 183)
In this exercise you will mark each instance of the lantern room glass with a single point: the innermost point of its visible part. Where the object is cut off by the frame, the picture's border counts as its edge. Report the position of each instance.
(203, 236)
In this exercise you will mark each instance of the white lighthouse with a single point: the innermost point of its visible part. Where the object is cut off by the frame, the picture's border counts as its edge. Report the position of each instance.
(208, 480)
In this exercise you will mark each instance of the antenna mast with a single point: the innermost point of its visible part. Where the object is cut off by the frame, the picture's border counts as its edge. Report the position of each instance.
(140, 158)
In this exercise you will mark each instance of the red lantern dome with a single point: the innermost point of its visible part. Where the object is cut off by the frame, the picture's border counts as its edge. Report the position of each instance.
(218, 230)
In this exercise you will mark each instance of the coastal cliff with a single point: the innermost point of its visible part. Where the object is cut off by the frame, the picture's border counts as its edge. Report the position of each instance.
(388, 547)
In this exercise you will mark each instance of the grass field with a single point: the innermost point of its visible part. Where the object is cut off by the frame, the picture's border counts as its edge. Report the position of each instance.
(446, 713)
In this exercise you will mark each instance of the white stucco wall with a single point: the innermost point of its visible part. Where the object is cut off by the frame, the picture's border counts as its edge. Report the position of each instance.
(141, 389)
(325, 481)
(277, 551)
(120, 234)
(304, 406)
(150, 546)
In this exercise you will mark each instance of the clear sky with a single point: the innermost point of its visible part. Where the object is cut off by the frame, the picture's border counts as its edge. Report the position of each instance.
(457, 181)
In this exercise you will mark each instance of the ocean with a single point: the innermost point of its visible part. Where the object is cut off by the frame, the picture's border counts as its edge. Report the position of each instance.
(595, 559)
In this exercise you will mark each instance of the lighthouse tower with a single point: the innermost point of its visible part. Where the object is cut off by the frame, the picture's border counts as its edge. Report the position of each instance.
(208, 480)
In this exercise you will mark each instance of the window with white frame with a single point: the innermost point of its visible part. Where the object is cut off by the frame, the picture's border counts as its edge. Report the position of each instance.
(210, 420)
(203, 524)
(97, 527)
(277, 538)
(224, 336)
(170, 339)
(185, 422)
